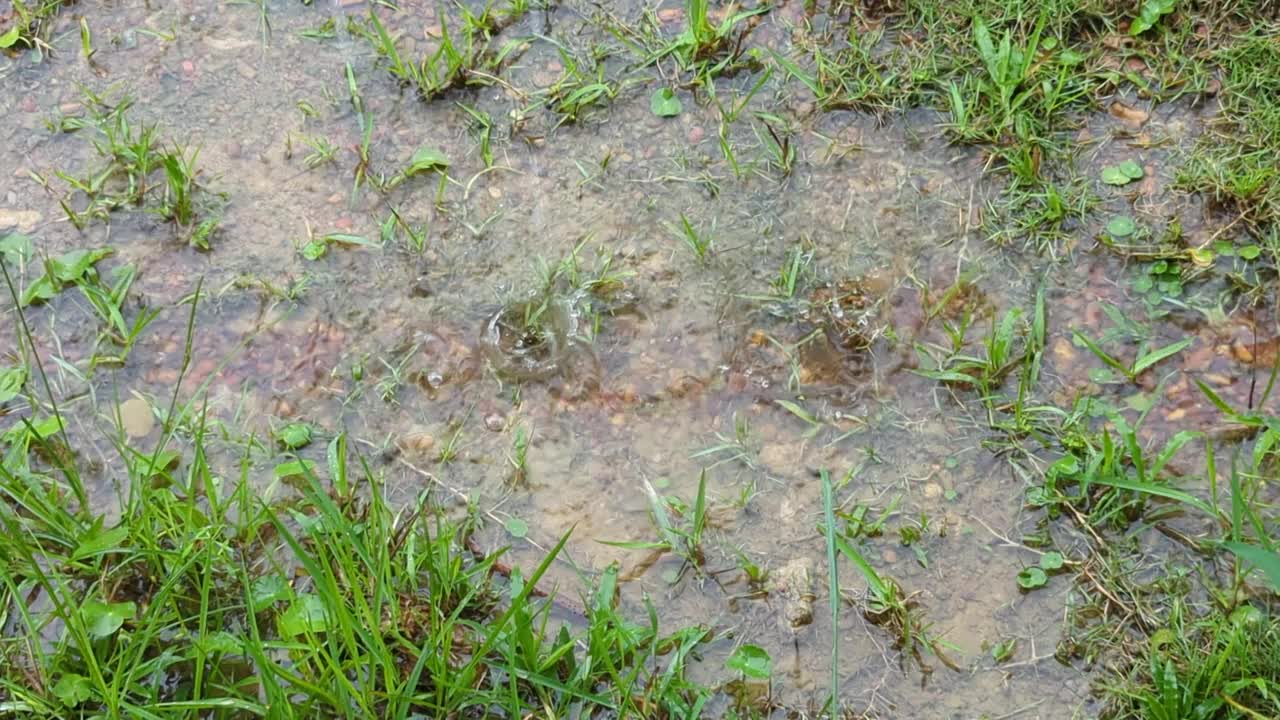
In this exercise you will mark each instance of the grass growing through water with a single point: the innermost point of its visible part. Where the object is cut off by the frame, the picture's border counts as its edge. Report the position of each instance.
(203, 597)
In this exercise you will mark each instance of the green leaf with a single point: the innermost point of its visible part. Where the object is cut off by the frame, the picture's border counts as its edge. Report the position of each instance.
(295, 435)
(73, 689)
(346, 239)
(1131, 170)
(104, 619)
(1002, 651)
(307, 614)
(16, 247)
(1157, 490)
(1052, 561)
(1031, 578)
(1156, 356)
(72, 266)
(8, 39)
(752, 661)
(1122, 174)
(99, 542)
(315, 248)
(1150, 14)
(1121, 226)
(426, 159)
(664, 103)
(295, 468)
(11, 382)
(42, 288)
(517, 527)
(1249, 252)
(267, 591)
(1266, 561)
(1112, 175)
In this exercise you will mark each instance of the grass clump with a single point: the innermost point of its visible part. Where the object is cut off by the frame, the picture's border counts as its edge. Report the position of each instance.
(463, 55)
(207, 600)
(137, 170)
(1234, 163)
(29, 24)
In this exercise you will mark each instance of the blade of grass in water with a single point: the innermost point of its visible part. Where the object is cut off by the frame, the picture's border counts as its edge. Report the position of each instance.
(833, 589)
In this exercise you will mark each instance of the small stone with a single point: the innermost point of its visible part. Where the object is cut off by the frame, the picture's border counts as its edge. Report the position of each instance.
(670, 15)
(136, 417)
(495, 192)
(335, 198)
(70, 108)
(696, 133)
(28, 104)
(23, 220)
(188, 67)
(1242, 352)
(233, 150)
(889, 556)
(495, 422)
(344, 223)
(933, 491)
(418, 441)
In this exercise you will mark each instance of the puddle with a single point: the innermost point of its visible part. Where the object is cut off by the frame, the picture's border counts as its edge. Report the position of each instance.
(646, 364)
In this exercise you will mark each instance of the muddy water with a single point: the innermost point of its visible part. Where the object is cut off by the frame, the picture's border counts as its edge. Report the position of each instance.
(384, 343)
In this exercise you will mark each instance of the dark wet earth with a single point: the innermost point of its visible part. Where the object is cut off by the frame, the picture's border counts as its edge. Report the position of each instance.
(667, 365)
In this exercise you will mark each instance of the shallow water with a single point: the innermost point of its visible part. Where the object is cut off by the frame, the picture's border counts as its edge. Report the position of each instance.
(384, 343)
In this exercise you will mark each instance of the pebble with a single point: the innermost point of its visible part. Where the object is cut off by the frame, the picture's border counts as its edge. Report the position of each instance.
(27, 104)
(135, 415)
(933, 491)
(495, 422)
(23, 220)
(890, 556)
(335, 198)
(188, 67)
(696, 133)
(495, 192)
(417, 441)
(344, 223)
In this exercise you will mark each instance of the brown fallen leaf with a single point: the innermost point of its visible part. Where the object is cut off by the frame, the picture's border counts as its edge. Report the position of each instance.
(1132, 116)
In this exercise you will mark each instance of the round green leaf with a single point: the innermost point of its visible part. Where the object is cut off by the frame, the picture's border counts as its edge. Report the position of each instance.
(1114, 176)
(1121, 226)
(1032, 578)
(1051, 561)
(1249, 252)
(1131, 170)
(664, 103)
(517, 527)
(73, 689)
(315, 249)
(752, 661)
(295, 435)
(104, 619)
(307, 614)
